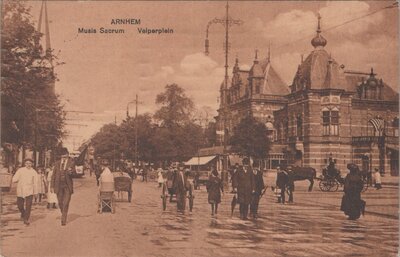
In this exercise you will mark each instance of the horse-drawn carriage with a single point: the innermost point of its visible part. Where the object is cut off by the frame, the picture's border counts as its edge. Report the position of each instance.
(330, 180)
(168, 191)
(123, 183)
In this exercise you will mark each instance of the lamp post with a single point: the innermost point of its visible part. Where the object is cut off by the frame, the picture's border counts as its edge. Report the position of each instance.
(227, 22)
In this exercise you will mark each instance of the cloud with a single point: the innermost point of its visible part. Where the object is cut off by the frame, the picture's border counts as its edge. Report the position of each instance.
(286, 65)
(297, 24)
(335, 13)
(289, 26)
(197, 64)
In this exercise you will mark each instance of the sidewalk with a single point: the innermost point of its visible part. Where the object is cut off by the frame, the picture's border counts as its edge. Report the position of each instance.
(383, 203)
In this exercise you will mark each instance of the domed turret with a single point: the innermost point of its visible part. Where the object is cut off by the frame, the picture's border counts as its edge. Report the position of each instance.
(319, 40)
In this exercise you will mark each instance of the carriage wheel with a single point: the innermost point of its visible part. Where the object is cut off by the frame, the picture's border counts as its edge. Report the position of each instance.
(99, 205)
(325, 185)
(112, 205)
(334, 186)
(164, 197)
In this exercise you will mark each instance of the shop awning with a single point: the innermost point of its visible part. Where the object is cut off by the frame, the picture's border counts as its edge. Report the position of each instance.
(202, 160)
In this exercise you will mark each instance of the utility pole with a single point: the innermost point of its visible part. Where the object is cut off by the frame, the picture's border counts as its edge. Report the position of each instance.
(113, 164)
(136, 132)
(227, 22)
(136, 102)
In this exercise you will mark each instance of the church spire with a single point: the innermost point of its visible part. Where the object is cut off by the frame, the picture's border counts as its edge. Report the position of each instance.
(256, 56)
(319, 41)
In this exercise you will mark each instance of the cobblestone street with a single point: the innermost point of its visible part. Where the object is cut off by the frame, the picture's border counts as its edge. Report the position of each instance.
(311, 226)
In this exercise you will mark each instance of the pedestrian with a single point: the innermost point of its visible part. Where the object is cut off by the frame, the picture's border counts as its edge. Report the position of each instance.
(106, 174)
(26, 177)
(97, 170)
(233, 173)
(378, 181)
(51, 196)
(282, 180)
(62, 183)
(181, 186)
(258, 189)
(244, 186)
(171, 174)
(352, 205)
(290, 184)
(160, 178)
(196, 180)
(40, 185)
(214, 189)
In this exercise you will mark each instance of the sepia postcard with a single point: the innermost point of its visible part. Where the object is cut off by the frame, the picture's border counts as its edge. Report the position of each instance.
(199, 128)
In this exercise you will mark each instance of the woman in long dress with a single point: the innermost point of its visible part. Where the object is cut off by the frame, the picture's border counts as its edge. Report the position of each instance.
(352, 204)
(214, 189)
(160, 178)
(51, 197)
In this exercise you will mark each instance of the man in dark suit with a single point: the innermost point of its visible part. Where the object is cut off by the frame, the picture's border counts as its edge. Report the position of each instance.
(282, 180)
(258, 188)
(62, 184)
(245, 188)
(181, 186)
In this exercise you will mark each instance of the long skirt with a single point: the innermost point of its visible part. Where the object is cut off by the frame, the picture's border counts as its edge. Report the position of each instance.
(352, 206)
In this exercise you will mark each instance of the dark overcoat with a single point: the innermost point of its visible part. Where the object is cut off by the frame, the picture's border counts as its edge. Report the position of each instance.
(258, 182)
(352, 204)
(282, 179)
(55, 180)
(245, 185)
(214, 189)
(180, 184)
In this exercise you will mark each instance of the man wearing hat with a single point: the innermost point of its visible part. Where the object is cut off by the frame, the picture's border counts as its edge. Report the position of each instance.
(181, 186)
(62, 184)
(26, 177)
(245, 187)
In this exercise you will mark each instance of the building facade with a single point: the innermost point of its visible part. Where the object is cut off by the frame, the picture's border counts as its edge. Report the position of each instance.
(327, 112)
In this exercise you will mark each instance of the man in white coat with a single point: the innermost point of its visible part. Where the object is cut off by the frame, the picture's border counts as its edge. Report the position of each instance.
(26, 177)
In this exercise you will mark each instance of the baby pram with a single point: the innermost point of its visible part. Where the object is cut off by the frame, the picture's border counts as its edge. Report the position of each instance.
(106, 199)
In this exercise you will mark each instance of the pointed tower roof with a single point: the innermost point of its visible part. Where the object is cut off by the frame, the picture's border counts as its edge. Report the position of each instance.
(256, 70)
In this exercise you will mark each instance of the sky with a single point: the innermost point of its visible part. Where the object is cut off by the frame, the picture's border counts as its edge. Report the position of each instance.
(104, 72)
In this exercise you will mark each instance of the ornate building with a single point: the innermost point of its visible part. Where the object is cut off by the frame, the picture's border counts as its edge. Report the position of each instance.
(328, 112)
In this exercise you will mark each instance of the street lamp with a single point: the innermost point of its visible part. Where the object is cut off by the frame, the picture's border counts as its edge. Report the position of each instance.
(227, 22)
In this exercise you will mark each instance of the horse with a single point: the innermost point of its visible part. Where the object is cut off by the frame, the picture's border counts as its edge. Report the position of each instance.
(302, 173)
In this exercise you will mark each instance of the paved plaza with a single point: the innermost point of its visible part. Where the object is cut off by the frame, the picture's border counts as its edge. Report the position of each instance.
(312, 226)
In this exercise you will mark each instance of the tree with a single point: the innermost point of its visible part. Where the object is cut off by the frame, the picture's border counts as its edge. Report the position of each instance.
(210, 134)
(27, 103)
(145, 131)
(250, 138)
(176, 107)
(108, 141)
(178, 137)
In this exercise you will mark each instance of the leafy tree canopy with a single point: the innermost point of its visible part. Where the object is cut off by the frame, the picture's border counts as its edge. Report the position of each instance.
(28, 103)
(250, 138)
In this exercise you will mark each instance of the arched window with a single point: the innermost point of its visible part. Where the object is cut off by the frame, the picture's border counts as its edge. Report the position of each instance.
(330, 122)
